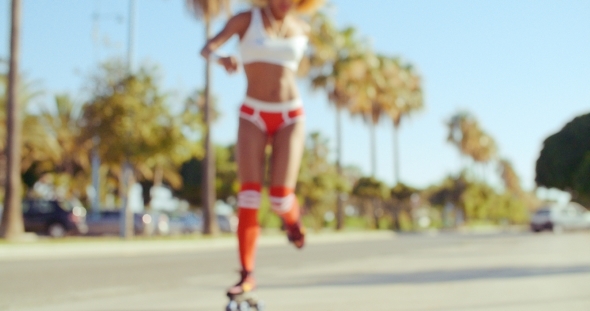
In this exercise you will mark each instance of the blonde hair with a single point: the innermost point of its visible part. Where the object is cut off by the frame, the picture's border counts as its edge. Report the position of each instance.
(301, 6)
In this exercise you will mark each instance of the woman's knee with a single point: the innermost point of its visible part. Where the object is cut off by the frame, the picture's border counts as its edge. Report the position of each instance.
(248, 204)
(284, 202)
(282, 199)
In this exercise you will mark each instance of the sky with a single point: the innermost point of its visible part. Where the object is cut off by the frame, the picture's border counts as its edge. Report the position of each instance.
(520, 67)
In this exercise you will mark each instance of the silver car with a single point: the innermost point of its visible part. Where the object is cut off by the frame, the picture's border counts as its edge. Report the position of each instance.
(560, 217)
(108, 222)
(192, 223)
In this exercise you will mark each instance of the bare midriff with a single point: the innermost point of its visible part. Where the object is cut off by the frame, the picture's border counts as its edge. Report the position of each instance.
(270, 82)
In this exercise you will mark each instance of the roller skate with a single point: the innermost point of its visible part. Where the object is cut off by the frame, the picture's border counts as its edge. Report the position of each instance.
(296, 234)
(242, 295)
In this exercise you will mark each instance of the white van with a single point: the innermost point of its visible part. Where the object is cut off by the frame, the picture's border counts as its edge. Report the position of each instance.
(560, 217)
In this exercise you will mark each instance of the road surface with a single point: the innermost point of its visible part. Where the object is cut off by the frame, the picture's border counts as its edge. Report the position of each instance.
(352, 271)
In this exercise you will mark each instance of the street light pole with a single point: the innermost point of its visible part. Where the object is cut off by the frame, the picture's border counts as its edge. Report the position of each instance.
(131, 35)
(127, 179)
(97, 16)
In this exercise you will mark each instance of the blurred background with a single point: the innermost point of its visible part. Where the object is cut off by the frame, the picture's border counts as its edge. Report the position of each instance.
(420, 116)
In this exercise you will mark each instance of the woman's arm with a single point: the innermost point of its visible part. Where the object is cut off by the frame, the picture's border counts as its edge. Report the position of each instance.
(236, 25)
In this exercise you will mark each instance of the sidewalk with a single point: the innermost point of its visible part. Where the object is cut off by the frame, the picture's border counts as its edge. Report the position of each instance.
(83, 247)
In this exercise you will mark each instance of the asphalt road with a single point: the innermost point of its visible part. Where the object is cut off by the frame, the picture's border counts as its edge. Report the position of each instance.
(440, 272)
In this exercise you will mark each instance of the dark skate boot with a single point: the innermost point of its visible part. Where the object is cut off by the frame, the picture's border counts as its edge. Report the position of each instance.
(242, 295)
(296, 234)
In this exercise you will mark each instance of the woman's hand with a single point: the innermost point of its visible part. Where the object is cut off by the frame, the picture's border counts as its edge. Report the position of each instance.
(230, 63)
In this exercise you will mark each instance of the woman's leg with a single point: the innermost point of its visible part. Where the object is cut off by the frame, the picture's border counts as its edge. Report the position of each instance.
(287, 151)
(250, 158)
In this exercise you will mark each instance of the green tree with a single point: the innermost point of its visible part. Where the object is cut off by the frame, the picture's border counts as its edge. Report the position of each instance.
(319, 183)
(186, 143)
(581, 181)
(478, 201)
(207, 10)
(564, 160)
(192, 170)
(62, 124)
(37, 144)
(448, 191)
(227, 184)
(482, 203)
(226, 181)
(329, 70)
(401, 195)
(371, 193)
(132, 118)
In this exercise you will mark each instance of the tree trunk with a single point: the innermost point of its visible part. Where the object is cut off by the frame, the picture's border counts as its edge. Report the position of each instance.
(396, 154)
(95, 159)
(373, 150)
(396, 212)
(158, 175)
(127, 220)
(376, 211)
(209, 224)
(339, 196)
(12, 225)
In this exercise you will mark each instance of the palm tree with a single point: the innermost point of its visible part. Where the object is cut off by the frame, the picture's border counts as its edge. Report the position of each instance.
(403, 95)
(510, 178)
(12, 225)
(207, 10)
(38, 145)
(63, 125)
(367, 80)
(329, 70)
(466, 134)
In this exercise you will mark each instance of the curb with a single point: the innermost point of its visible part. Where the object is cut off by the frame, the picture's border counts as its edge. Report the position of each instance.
(43, 250)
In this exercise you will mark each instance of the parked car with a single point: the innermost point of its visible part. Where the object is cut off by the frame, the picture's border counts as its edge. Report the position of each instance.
(227, 223)
(187, 223)
(560, 217)
(55, 218)
(109, 223)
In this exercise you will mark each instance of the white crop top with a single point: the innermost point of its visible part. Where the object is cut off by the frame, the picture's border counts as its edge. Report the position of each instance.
(258, 46)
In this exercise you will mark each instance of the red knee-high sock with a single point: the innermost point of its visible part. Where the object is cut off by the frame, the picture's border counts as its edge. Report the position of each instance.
(284, 203)
(248, 230)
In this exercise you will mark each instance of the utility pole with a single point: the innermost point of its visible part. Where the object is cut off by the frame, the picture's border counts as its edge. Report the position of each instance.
(127, 179)
(131, 35)
(95, 157)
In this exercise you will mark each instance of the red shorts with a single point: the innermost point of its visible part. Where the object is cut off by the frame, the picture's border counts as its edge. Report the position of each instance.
(271, 117)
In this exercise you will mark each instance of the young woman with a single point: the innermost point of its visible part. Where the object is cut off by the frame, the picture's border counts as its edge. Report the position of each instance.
(272, 42)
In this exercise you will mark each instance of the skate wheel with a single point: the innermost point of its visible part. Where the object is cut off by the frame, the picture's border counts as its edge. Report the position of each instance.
(232, 306)
(244, 306)
(259, 306)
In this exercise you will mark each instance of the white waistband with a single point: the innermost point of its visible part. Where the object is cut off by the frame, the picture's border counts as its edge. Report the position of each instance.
(273, 106)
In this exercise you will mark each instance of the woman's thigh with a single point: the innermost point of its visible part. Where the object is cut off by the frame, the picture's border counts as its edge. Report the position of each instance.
(287, 150)
(250, 152)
